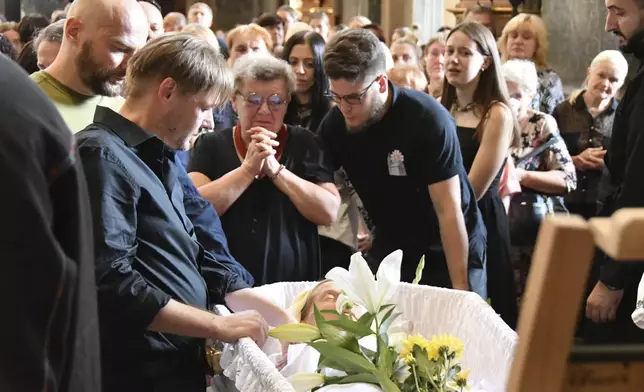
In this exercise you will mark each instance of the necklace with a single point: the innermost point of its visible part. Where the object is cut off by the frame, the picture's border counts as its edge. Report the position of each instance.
(463, 109)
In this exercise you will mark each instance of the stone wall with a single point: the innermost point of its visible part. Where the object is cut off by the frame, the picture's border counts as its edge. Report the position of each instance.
(576, 32)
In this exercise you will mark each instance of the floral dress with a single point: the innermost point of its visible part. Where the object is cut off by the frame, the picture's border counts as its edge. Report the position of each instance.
(549, 93)
(535, 132)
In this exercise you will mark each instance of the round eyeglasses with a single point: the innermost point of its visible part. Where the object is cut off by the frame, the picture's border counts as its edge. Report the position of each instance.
(273, 102)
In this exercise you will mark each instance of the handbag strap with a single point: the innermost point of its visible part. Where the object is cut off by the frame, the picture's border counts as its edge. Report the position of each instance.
(553, 139)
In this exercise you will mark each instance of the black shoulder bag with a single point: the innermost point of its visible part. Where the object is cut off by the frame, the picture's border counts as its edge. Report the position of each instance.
(528, 208)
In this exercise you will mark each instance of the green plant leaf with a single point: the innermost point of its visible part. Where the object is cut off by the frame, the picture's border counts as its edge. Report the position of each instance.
(319, 319)
(330, 311)
(327, 363)
(354, 327)
(385, 308)
(385, 360)
(335, 336)
(386, 324)
(419, 270)
(366, 320)
(343, 357)
(361, 377)
(387, 315)
(426, 368)
(385, 382)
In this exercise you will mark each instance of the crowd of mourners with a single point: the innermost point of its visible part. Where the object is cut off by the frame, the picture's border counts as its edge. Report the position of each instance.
(158, 166)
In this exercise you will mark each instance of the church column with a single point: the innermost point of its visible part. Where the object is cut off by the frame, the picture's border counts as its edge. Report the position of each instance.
(581, 24)
(427, 14)
(351, 8)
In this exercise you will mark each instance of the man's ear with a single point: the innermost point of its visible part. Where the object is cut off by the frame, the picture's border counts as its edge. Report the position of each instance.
(166, 89)
(73, 28)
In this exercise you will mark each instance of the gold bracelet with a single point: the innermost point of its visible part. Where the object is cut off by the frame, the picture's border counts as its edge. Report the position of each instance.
(277, 172)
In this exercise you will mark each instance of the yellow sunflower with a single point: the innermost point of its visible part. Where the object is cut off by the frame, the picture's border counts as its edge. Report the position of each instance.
(461, 378)
(448, 344)
(409, 344)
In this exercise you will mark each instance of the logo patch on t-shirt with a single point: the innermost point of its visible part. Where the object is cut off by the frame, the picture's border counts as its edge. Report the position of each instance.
(396, 163)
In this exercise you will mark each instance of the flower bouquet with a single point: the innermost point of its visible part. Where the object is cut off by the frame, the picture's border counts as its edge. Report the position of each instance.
(366, 350)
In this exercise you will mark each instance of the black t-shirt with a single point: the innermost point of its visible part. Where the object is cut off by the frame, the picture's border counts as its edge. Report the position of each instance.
(392, 163)
(265, 232)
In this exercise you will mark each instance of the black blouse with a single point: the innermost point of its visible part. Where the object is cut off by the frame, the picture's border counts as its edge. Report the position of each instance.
(580, 130)
(266, 233)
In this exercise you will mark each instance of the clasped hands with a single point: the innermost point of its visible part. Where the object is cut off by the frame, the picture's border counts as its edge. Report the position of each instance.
(590, 159)
(260, 158)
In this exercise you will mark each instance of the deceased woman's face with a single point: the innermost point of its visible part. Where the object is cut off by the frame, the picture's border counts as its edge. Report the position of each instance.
(324, 296)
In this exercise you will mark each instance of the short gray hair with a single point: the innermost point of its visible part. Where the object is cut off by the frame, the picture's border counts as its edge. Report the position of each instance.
(263, 68)
(354, 54)
(523, 73)
(52, 33)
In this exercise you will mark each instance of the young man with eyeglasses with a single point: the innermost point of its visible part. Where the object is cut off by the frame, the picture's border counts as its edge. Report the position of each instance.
(401, 152)
(266, 179)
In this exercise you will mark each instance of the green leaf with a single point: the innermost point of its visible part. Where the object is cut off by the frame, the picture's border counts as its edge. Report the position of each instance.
(327, 363)
(319, 319)
(426, 368)
(385, 382)
(330, 311)
(362, 377)
(366, 320)
(335, 336)
(386, 324)
(387, 315)
(419, 270)
(385, 307)
(345, 358)
(354, 327)
(385, 360)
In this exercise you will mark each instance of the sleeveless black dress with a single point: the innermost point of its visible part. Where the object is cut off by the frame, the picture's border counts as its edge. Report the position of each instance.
(500, 273)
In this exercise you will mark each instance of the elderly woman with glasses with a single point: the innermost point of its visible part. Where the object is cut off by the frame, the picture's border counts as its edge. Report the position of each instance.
(266, 179)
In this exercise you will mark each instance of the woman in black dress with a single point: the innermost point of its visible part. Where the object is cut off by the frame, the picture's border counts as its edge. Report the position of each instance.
(477, 97)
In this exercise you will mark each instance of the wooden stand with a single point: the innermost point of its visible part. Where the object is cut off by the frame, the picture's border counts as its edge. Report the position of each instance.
(561, 262)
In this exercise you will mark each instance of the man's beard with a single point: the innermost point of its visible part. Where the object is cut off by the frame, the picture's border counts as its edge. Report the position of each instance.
(94, 77)
(375, 114)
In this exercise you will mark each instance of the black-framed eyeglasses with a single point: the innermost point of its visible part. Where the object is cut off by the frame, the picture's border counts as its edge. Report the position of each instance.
(351, 99)
(256, 101)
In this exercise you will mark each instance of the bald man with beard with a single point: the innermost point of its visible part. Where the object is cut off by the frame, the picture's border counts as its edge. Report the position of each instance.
(100, 37)
(155, 19)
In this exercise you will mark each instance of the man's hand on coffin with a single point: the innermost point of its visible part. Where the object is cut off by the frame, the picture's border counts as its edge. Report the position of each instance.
(241, 325)
(602, 303)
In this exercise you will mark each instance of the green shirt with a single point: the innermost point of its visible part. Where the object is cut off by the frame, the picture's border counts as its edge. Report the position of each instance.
(76, 109)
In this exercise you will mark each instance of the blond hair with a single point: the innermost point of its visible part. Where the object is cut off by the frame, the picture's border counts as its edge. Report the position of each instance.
(253, 30)
(408, 76)
(615, 58)
(191, 62)
(7, 26)
(202, 32)
(296, 28)
(534, 25)
(411, 42)
(303, 303)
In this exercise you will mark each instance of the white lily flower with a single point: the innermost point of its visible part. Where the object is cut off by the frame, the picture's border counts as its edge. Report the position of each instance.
(362, 287)
(304, 382)
(343, 304)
